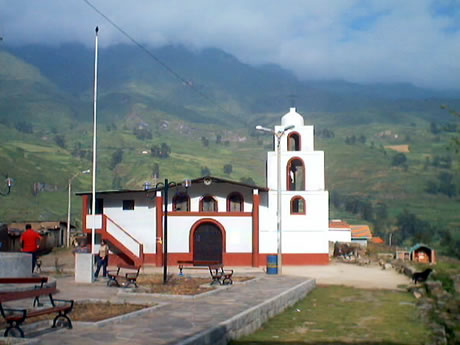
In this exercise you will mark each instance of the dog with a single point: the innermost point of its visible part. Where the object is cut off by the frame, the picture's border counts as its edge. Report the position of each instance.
(421, 276)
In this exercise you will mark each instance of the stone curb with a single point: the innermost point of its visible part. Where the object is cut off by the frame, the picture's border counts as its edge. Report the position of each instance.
(251, 319)
(185, 297)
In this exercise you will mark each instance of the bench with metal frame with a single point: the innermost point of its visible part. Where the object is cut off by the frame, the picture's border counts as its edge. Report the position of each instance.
(192, 264)
(220, 275)
(16, 316)
(123, 276)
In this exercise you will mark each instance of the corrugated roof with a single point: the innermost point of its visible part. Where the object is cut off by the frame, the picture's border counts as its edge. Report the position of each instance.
(361, 231)
(338, 224)
(195, 181)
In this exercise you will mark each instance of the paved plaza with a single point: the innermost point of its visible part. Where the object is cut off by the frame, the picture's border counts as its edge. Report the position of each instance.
(210, 318)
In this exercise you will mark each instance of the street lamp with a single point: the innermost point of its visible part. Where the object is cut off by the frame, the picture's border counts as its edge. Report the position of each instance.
(69, 204)
(164, 187)
(278, 135)
(9, 183)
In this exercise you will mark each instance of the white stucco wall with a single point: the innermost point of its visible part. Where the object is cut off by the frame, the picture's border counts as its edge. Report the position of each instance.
(314, 169)
(294, 242)
(140, 222)
(339, 235)
(238, 232)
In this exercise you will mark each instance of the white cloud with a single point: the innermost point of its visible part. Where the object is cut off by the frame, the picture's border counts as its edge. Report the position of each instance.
(414, 41)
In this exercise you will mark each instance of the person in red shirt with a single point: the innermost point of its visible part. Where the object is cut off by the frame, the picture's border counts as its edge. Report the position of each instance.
(30, 242)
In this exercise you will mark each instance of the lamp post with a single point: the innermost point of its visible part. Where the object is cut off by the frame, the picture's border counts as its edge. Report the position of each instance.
(9, 183)
(93, 193)
(278, 135)
(164, 187)
(69, 204)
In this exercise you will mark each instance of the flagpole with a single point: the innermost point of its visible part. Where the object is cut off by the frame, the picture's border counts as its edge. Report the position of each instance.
(93, 205)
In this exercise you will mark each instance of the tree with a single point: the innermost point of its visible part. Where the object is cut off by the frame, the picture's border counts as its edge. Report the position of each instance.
(156, 170)
(117, 157)
(434, 128)
(60, 141)
(431, 187)
(399, 159)
(205, 141)
(165, 150)
(24, 127)
(410, 228)
(247, 180)
(445, 184)
(205, 171)
(228, 169)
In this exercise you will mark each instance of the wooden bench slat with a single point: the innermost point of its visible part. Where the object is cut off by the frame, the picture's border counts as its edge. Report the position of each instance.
(17, 295)
(24, 280)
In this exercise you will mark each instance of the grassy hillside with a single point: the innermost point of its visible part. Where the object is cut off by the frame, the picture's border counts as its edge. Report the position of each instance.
(46, 131)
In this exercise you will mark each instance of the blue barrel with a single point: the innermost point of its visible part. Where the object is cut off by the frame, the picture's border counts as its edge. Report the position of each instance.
(272, 264)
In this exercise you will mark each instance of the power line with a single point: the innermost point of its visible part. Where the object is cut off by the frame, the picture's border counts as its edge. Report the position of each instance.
(159, 61)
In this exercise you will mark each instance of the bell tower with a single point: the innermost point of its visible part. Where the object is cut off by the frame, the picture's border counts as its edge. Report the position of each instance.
(304, 200)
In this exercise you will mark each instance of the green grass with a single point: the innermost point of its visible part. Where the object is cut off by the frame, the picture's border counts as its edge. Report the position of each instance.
(344, 315)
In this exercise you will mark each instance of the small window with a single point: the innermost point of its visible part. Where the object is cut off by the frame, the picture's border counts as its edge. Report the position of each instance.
(235, 202)
(293, 141)
(128, 205)
(295, 174)
(99, 206)
(181, 202)
(298, 205)
(208, 204)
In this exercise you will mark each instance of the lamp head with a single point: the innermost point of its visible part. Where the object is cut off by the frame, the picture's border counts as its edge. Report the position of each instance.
(9, 182)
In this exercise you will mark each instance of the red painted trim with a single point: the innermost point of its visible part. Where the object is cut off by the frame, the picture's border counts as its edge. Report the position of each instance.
(241, 201)
(255, 229)
(210, 214)
(293, 200)
(174, 201)
(197, 224)
(216, 205)
(159, 232)
(85, 210)
(245, 259)
(300, 141)
(300, 259)
(288, 177)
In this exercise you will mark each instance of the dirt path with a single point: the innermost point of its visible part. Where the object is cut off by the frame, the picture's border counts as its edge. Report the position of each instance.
(370, 277)
(366, 277)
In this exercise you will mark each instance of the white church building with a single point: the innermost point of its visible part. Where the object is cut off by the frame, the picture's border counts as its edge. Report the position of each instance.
(215, 219)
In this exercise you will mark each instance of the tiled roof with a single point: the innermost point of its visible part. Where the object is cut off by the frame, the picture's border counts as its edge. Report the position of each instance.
(361, 232)
(377, 240)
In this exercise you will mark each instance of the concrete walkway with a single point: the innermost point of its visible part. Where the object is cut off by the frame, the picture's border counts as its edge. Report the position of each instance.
(209, 319)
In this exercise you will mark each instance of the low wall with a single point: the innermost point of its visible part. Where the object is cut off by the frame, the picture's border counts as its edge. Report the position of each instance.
(252, 319)
(15, 265)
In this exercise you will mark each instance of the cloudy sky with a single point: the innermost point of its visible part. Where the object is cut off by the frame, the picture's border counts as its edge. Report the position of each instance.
(416, 41)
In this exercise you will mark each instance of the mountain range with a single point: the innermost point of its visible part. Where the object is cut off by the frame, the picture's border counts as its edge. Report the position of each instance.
(204, 106)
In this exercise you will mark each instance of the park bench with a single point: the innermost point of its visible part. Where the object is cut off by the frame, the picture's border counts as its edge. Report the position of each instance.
(220, 275)
(16, 316)
(194, 264)
(123, 276)
(27, 280)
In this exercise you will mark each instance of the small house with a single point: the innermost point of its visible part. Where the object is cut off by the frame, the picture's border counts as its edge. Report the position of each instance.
(422, 253)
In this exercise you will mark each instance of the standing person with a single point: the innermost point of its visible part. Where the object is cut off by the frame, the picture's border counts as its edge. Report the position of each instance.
(30, 242)
(103, 259)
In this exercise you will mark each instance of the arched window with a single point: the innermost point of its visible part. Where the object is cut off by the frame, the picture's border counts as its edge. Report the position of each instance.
(181, 202)
(208, 204)
(295, 174)
(298, 205)
(235, 202)
(293, 141)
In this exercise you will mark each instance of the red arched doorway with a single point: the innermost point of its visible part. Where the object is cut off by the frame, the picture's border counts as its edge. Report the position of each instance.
(208, 242)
